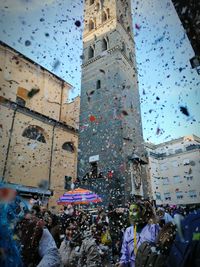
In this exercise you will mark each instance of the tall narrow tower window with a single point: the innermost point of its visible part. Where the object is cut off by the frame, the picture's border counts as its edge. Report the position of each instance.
(123, 47)
(91, 25)
(108, 13)
(104, 16)
(98, 85)
(91, 2)
(104, 44)
(98, 7)
(91, 52)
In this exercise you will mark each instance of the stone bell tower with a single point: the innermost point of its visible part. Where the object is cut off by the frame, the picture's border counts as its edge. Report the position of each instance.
(111, 142)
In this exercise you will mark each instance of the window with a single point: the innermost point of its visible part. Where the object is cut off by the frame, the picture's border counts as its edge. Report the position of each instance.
(91, 25)
(158, 196)
(90, 52)
(94, 169)
(128, 29)
(192, 194)
(104, 44)
(98, 85)
(167, 196)
(189, 178)
(123, 47)
(98, 7)
(68, 181)
(34, 133)
(165, 180)
(176, 179)
(91, 2)
(104, 16)
(68, 146)
(20, 101)
(179, 195)
(186, 162)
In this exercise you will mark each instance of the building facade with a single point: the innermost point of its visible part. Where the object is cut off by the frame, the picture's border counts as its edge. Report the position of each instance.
(39, 136)
(111, 142)
(174, 168)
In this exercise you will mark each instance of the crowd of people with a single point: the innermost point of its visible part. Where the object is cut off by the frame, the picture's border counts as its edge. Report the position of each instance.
(137, 235)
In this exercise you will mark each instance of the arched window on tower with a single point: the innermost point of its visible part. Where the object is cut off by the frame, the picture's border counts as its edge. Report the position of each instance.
(108, 13)
(91, 25)
(104, 16)
(91, 2)
(68, 146)
(98, 85)
(35, 133)
(128, 29)
(98, 7)
(104, 44)
(91, 52)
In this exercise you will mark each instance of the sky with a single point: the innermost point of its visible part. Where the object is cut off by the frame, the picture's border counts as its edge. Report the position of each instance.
(47, 32)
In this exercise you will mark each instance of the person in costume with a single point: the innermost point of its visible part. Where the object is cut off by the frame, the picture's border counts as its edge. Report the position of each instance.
(143, 228)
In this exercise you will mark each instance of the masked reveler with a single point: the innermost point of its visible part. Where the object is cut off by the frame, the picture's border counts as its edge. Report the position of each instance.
(143, 228)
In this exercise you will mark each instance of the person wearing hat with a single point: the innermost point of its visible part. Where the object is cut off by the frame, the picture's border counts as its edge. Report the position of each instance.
(143, 228)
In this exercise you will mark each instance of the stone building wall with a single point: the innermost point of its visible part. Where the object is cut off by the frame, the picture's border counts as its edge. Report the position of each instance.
(35, 125)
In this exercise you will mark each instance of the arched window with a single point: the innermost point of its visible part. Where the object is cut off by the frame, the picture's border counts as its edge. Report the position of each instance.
(98, 85)
(68, 146)
(91, 25)
(104, 44)
(108, 13)
(98, 7)
(128, 29)
(91, 52)
(35, 133)
(91, 2)
(104, 16)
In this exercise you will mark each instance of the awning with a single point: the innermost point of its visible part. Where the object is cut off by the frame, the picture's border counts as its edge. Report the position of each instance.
(29, 190)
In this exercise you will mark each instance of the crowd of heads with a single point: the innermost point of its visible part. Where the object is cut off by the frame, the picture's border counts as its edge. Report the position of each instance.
(74, 224)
